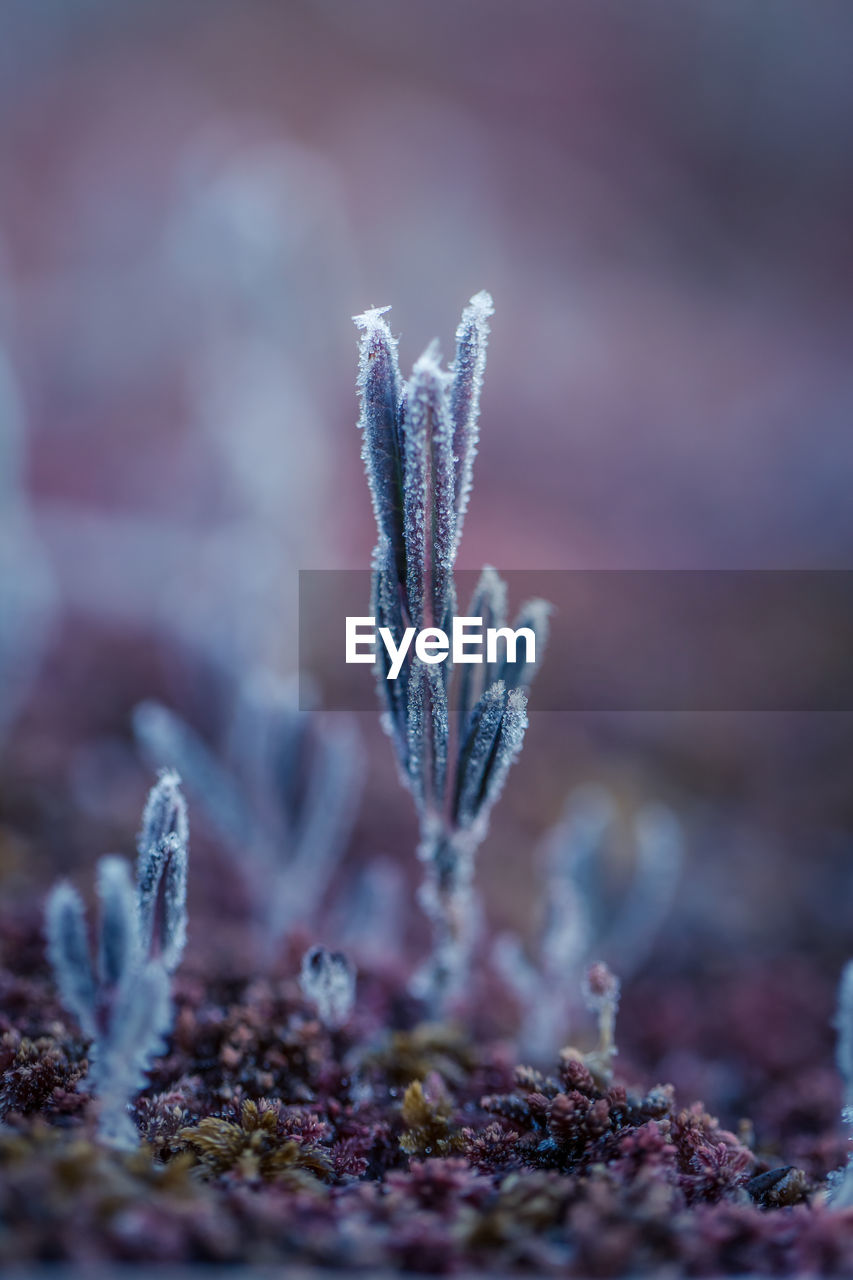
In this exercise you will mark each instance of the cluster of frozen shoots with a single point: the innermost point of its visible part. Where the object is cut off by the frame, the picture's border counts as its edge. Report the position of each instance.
(419, 442)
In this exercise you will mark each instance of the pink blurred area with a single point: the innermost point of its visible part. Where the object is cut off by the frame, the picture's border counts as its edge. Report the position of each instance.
(197, 198)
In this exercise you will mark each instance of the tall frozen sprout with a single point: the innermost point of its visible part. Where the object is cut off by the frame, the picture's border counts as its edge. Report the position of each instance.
(419, 443)
(123, 1002)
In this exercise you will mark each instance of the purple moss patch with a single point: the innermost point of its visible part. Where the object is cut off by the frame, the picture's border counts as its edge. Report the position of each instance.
(267, 1137)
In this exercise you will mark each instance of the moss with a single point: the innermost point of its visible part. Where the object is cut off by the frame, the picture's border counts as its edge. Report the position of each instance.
(252, 1148)
(428, 1116)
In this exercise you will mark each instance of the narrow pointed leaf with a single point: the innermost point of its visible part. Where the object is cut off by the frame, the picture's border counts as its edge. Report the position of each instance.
(422, 410)
(162, 871)
(489, 603)
(68, 951)
(533, 615)
(469, 366)
(379, 392)
(476, 753)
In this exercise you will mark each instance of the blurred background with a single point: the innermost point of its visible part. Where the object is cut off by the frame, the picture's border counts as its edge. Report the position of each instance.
(194, 201)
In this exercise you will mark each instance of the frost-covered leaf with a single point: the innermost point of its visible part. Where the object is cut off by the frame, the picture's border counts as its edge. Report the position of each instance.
(68, 952)
(477, 753)
(161, 873)
(162, 886)
(386, 607)
(469, 366)
(165, 813)
(495, 737)
(380, 392)
(439, 730)
(428, 733)
(423, 411)
(488, 602)
(139, 1025)
(533, 616)
(429, 393)
(417, 721)
(509, 742)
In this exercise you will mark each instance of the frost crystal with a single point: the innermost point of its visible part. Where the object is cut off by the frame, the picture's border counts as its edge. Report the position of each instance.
(328, 982)
(419, 442)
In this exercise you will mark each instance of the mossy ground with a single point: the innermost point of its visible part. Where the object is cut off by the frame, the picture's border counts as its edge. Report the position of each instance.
(392, 1143)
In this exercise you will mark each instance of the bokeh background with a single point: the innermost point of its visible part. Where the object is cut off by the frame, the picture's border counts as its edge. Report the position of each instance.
(196, 198)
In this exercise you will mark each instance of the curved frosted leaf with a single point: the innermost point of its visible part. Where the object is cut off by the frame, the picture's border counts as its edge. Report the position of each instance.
(68, 952)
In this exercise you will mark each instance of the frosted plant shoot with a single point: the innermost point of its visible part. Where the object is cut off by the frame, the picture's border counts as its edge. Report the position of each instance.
(419, 443)
(123, 1002)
